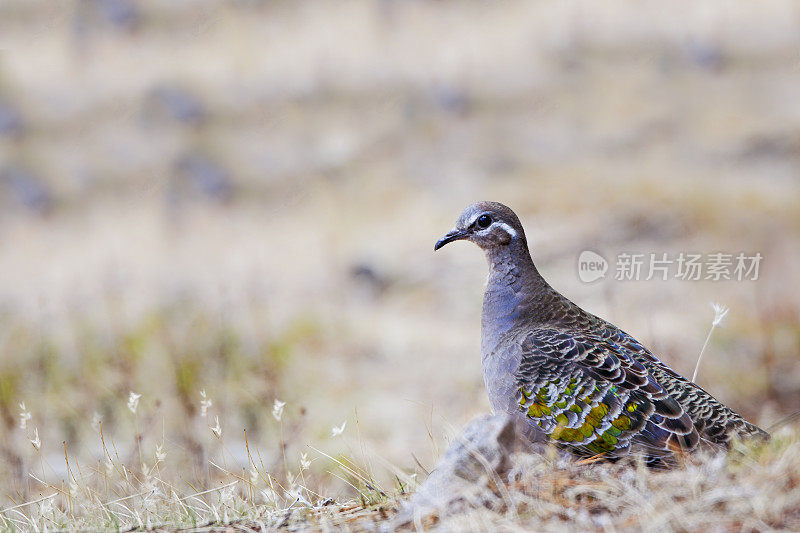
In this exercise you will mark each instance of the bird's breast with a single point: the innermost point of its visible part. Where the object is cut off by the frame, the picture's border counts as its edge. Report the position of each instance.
(500, 349)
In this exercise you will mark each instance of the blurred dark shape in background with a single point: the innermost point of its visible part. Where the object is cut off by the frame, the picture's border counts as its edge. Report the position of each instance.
(452, 99)
(172, 103)
(196, 174)
(27, 189)
(119, 15)
(647, 226)
(11, 121)
(774, 146)
(707, 56)
(369, 279)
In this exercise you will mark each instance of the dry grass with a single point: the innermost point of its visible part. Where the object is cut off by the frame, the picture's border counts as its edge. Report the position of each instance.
(758, 490)
(241, 198)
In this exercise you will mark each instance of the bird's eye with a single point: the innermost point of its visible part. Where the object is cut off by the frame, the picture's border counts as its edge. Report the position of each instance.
(484, 221)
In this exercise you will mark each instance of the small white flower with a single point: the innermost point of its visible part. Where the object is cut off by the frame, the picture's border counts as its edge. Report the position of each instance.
(160, 453)
(304, 462)
(217, 429)
(24, 416)
(96, 422)
(133, 402)
(35, 440)
(254, 476)
(719, 313)
(205, 403)
(336, 431)
(277, 409)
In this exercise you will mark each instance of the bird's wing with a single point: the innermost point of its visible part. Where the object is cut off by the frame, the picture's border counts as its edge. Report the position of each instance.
(716, 422)
(589, 392)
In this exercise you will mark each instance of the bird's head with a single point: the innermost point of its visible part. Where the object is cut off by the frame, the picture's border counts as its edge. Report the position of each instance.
(490, 225)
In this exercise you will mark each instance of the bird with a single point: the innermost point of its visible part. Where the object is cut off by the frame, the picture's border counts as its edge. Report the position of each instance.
(571, 377)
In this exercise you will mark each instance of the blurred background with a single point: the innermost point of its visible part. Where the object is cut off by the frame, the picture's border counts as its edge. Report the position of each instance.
(242, 198)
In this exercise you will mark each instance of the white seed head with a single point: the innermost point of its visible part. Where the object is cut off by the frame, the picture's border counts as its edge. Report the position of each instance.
(24, 416)
(277, 409)
(336, 431)
(305, 462)
(720, 311)
(133, 401)
(217, 429)
(205, 403)
(160, 453)
(35, 440)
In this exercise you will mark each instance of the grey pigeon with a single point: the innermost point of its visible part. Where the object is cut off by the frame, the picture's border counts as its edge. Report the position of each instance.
(573, 378)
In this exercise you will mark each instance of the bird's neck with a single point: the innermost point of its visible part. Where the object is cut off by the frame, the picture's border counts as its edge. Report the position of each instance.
(515, 290)
(512, 266)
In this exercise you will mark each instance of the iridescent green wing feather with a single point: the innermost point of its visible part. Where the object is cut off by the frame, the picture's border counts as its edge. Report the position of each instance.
(715, 422)
(588, 392)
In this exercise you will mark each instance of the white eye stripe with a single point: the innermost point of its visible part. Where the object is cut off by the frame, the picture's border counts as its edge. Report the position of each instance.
(508, 229)
(503, 226)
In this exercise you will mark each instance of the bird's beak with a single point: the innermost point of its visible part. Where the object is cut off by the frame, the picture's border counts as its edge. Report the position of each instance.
(452, 235)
